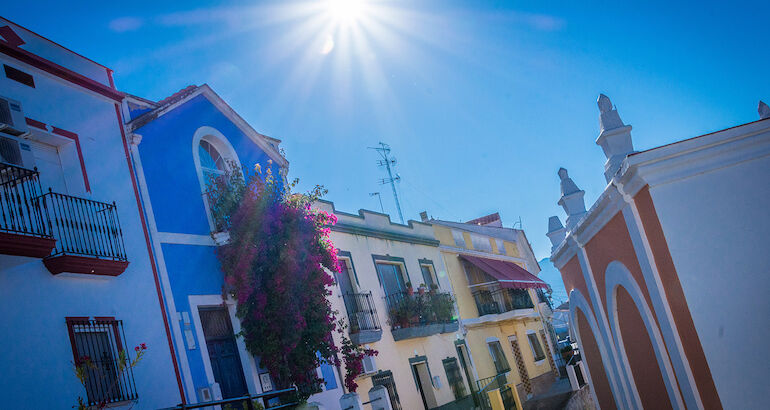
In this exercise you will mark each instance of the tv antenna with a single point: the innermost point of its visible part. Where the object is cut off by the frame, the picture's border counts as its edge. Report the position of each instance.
(388, 162)
(377, 194)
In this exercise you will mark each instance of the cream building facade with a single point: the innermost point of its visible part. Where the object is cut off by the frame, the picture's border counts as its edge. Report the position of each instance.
(414, 331)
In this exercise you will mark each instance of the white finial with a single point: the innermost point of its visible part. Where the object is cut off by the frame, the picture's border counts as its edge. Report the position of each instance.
(604, 103)
(763, 110)
(571, 199)
(614, 137)
(567, 184)
(556, 231)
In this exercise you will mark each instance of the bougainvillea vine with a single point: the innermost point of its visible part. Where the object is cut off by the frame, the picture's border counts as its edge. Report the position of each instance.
(277, 266)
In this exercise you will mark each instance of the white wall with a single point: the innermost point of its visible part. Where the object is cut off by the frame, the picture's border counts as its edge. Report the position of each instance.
(36, 356)
(716, 225)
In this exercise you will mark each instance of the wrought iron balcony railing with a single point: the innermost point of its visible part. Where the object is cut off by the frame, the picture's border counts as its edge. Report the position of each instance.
(83, 227)
(501, 300)
(543, 298)
(20, 212)
(361, 312)
(419, 309)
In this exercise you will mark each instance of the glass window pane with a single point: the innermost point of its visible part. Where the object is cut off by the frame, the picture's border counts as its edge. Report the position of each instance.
(392, 281)
(427, 275)
(210, 157)
(537, 350)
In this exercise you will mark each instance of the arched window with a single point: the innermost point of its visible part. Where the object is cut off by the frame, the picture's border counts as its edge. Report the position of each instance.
(214, 156)
(212, 162)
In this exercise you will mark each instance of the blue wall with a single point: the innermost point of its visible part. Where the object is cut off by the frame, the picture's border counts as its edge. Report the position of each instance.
(169, 168)
(175, 193)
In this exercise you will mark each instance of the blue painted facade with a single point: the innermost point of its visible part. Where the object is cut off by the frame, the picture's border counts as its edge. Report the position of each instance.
(179, 225)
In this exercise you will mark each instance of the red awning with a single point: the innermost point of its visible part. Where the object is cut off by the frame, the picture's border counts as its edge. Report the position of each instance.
(509, 274)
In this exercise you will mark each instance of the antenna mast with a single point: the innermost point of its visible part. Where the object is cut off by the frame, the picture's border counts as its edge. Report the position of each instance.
(389, 163)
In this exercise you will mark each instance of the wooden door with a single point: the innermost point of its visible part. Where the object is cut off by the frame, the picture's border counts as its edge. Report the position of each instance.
(223, 352)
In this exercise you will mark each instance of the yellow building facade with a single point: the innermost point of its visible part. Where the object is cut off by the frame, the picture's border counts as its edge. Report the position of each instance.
(502, 307)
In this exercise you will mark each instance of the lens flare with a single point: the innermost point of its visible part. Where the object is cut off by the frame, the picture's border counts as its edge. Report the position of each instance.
(345, 11)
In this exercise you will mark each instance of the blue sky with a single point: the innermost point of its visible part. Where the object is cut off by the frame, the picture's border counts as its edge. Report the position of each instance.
(481, 102)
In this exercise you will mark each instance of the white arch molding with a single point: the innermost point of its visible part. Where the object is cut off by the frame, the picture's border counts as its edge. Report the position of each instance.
(618, 275)
(221, 143)
(578, 301)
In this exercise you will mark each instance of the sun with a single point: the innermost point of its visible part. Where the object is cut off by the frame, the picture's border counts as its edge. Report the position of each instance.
(345, 11)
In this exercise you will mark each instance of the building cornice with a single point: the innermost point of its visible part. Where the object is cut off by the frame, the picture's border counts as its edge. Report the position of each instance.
(382, 234)
(494, 319)
(663, 165)
(56, 70)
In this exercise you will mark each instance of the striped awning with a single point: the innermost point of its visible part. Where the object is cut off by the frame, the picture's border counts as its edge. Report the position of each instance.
(508, 274)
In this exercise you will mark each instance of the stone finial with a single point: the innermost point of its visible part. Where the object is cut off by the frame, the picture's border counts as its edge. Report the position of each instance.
(604, 103)
(571, 199)
(567, 184)
(763, 110)
(614, 137)
(556, 232)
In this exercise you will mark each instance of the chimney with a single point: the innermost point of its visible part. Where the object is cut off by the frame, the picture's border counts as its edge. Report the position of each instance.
(556, 232)
(614, 137)
(571, 199)
(763, 110)
(424, 216)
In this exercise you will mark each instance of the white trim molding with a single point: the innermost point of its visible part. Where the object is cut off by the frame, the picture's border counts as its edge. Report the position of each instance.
(617, 275)
(578, 301)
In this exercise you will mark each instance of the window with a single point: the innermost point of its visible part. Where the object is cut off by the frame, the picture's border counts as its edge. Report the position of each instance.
(537, 349)
(100, 342)
(498, 357)
(500, 246)
(481, 243)
(214, 157)
(454, 377)
(19, 76)
(428, 275)
(385, 378)
(212, 162)
(459, 239)
(392, 278)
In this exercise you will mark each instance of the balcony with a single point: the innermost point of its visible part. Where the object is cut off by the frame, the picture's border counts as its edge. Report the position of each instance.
(23, 223)
(89, 239)
(501, 300)
(362, 315)
(415, 315)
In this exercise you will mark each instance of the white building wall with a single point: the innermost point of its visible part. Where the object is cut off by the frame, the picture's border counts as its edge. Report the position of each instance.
(716, 226)
(394, 355)
(37, 370)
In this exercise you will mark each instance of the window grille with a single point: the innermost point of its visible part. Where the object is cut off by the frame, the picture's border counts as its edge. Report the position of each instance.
(385, 378)
(96, 346)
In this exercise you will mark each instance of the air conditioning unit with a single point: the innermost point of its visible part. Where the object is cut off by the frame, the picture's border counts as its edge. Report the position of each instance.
(12, 121)
(16, 151)
(370, 365)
